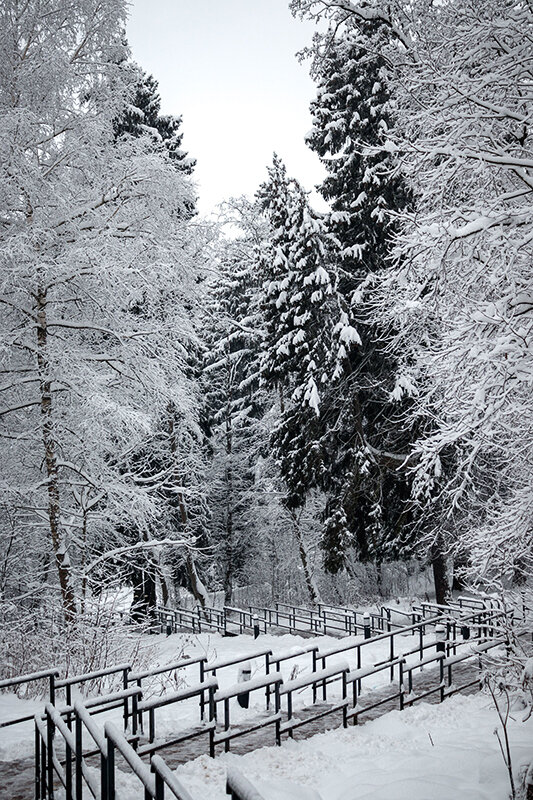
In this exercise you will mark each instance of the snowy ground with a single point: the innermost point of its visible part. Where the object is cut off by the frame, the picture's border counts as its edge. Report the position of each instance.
(166, 650)
(444, 752)
(424, 753)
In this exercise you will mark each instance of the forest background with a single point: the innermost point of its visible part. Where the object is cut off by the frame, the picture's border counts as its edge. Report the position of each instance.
(299, 411)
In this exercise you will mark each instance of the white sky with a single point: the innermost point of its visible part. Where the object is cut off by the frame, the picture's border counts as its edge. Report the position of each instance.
(229, 67)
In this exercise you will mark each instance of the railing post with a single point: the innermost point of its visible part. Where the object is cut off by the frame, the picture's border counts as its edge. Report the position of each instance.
(212, 719)
(344, 695)
(441, 673)
(277, 707)
(440, 637)
(226, 723)
(400, 684)
(50, 756)
(78, 754)
(159, 787)
(110, 764)
(68, 771)
(267, 672)
(37, 763)
(289, 713)
(68, 698)
(125, 686)
(52, 690)
(313, 668)
(44, 763)
(134, 717)
(354, 699)
(202, 696)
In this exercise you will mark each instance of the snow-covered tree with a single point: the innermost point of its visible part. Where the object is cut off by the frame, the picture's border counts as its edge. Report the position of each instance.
(141, 116)
(460, 299)
(308, 335)
(233, 400)
(91, 229)
(353, 110)
(352, 113)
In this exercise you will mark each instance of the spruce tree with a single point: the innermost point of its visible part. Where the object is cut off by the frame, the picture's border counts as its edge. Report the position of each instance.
(308, 335)
(142, 117)
(367, 495)
(233, 404)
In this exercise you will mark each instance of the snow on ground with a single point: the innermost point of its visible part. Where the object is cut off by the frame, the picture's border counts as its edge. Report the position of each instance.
(443, 752)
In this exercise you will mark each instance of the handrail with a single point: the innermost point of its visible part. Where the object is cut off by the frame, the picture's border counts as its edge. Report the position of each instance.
(381, 637)
(240, 787)
(229, 662)
(315, 677)
(359, 674)
(160, 768)
(93, 729)
(248, 686)
(89, 676)
(130, 756)
(175, 697)
(138, 676)
(32, 676)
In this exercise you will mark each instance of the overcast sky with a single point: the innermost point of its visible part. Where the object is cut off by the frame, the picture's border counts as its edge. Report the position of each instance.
(229, 67)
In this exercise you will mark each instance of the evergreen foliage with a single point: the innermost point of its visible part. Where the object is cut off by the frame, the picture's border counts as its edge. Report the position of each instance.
(352, 114)
(233, 403)
(142, 117)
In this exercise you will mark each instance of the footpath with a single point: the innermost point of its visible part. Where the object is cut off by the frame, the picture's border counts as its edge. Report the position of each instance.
(17, 776)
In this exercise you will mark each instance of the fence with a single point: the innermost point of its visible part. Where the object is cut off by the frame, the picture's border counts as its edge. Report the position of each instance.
(74, 723)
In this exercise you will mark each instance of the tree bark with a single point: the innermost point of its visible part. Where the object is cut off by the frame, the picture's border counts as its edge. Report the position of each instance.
(228, 554)
(144, 594)
(50, 446)
(314, 596)
(441, 576)
(195, 584)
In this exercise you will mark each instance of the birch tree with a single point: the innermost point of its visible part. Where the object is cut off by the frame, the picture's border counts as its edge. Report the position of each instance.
(90, 229)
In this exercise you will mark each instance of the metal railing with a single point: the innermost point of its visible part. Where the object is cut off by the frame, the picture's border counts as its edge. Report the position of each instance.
(74, 723)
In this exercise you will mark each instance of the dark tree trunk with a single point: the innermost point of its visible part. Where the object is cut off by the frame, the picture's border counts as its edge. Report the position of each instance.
(165, 594)
(144, 595)
(195, 584)
(441, 576)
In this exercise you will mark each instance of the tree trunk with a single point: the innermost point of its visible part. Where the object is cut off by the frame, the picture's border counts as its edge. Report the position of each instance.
(195, 584)
(228, 533)
(165, 594)
(460, 563)
(197, 588)
(144, 595)
(314, 595)
(54, 506)
(441, 576)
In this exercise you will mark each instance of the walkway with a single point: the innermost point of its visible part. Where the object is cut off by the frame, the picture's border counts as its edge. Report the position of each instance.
(17, 777)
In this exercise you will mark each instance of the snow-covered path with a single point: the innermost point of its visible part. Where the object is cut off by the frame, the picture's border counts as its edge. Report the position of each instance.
(205, 777)
(428, 752)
